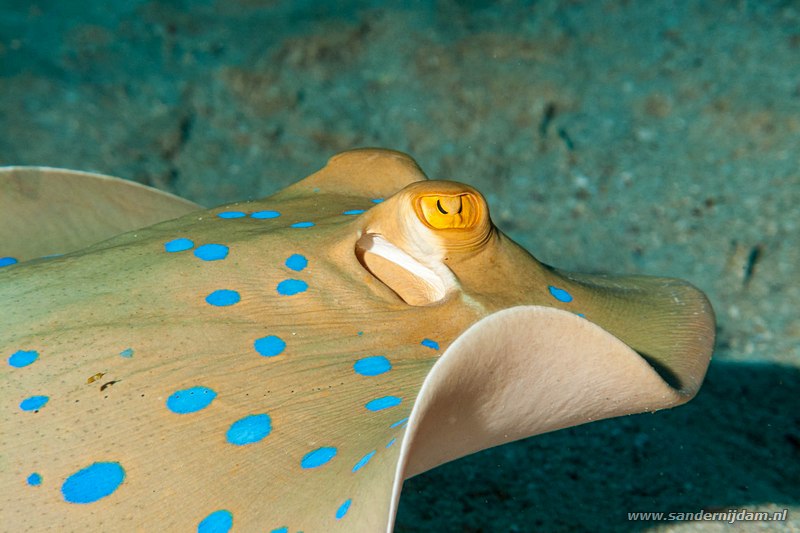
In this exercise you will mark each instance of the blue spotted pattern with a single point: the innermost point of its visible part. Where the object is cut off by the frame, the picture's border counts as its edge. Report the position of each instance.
(178, 245)
(297, 262)
(22, 358)
(223, 298)
(290, 287)
(302, 224)
(342, 510)
(249, 429)
(211, 252)
(318, 457)
(377, 200)
(560, 294)
(231, 214)
(283, 529)
(92, 483)
(127, 353)
(217, 522)
(391, 442)
(6, 261)
(401, 422)
(372, 366)
(265, 214)
(34, 403)
(190, 400)
(353, 212)
(363, 461)
(270, 346)
(379, 404)
(35, 479)
(433, 345)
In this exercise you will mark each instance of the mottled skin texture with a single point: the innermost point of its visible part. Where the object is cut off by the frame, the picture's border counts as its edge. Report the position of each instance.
(81, 310)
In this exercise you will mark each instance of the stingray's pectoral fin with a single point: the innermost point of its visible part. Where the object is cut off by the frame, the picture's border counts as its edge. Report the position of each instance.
(46, 211)
(667, 321)
(528, 370)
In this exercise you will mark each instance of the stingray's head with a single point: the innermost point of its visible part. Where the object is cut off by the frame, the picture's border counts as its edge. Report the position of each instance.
(553, 348)
(415, 241)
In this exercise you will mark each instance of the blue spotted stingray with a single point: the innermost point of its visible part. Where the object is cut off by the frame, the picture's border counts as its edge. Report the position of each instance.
(284, 364)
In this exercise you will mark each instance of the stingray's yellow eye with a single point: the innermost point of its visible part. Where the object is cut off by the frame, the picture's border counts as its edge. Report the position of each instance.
(451, 211)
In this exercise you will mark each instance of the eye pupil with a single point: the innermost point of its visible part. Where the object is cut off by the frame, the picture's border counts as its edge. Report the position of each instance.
(442, 210)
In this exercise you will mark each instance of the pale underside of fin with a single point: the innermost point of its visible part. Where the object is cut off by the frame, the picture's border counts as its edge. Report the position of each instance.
(665, 320)
(47, 211)
(525, 371)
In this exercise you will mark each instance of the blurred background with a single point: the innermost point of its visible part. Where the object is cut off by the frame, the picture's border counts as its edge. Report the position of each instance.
(655, 137)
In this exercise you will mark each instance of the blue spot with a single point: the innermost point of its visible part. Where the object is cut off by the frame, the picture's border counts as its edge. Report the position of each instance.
(353, 212)
(391, 442)
(265, 214)
(296, 262)
(399, 423)
(96, 481)
(342, 510)
(290, 287)
(302, 224)
(22, 358)
(34, 403)
(231, 214)
(35, 479)
(372, 366)
(223, 298)
(6, 261)
(318, 457)
(249, 429)
(190, 400)
(178, 245)
(283, 529)
(360, 333)
(270, 346)
(379, 404)
(127, 353)
(364, 460)
(377, 200)
(211, 252)
(560, 294)
(217, 522)
(430, 344)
